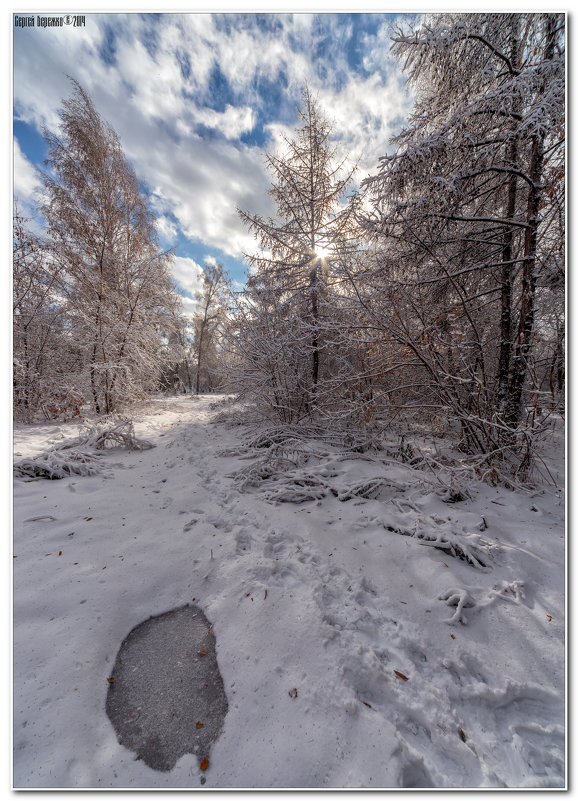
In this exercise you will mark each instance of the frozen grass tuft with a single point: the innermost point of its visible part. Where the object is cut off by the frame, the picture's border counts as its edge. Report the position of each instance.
(55, 464)
(79, 456)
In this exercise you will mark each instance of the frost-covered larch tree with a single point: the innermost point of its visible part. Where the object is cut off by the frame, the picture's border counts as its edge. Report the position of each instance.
(467, 214)
(282, 340)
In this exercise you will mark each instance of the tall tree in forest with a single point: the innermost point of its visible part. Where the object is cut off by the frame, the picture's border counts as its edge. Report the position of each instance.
(44, 357)
(100, 229)
(177, 373)
(464, 212)
(208, 318)
(291, 269)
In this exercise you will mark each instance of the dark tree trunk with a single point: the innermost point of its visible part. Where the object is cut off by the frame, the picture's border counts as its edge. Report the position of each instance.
(526, 322)
(507, 272)
(93, 384)
(314, 333)
(199, 359)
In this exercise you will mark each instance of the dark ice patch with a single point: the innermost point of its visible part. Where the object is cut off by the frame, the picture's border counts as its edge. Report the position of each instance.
(162, 688)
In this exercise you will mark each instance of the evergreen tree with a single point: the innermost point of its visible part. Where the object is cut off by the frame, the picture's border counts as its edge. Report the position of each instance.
(283, 318)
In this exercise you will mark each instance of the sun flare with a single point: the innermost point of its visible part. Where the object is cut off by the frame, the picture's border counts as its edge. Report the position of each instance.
(321, 252)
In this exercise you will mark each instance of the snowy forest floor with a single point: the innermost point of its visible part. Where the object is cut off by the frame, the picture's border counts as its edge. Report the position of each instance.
(396, 640)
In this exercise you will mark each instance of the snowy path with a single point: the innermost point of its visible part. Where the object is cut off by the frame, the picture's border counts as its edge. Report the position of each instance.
(338, 661)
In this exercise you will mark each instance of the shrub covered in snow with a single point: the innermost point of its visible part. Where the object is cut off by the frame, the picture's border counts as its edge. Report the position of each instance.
(79, 456)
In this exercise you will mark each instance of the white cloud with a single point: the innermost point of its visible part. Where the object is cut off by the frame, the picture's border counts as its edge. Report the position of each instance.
(189, 307)
(26, 181)
(155, 95)
(201, 183)
(167, 230)
(155, 83)
(364, 114)
(143, 97)
(232, 122)
(278, 132)
(187, 273)
(42, 61)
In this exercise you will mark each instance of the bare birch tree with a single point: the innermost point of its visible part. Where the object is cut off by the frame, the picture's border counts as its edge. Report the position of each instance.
(464, 213)
(207, 321)
(119, 296)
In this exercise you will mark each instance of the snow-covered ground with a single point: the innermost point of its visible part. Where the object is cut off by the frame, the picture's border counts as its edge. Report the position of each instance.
(357, 649)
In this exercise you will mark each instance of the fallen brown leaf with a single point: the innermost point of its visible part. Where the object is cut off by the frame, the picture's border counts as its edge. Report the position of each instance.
(199, 725)
(202, 653)
(204, 764)
(401, 675)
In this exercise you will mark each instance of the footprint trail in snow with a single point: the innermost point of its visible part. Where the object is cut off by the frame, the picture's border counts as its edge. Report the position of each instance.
(373, 636)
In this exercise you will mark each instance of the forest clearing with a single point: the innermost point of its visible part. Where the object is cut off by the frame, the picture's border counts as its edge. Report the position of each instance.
(352, 654)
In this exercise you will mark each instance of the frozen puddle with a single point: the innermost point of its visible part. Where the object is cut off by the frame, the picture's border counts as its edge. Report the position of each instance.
(166, 697)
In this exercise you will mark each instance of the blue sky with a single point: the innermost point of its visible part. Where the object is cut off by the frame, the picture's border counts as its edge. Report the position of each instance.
(198, 100)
